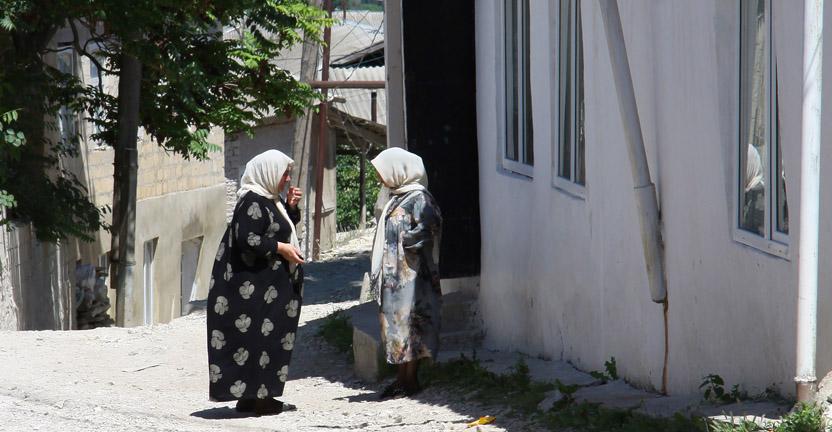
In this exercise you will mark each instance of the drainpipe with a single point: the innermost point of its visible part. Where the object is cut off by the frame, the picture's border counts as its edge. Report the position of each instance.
(807, 279)
(645, 191)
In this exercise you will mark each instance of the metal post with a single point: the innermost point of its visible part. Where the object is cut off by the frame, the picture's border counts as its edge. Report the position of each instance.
(807, 267)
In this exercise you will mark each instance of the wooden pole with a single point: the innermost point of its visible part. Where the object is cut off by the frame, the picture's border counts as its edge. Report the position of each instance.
(302, 141)
(362, 186)
(322, 142)
(350, 84)
(362, 222)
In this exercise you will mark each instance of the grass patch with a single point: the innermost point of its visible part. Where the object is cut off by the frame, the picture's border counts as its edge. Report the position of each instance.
(593, 418)
(804, 418)
(515, 390)
(337, 331)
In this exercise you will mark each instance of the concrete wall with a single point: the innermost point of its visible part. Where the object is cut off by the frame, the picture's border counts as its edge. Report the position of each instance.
(173, 219)
(36, 282)
(564, 277)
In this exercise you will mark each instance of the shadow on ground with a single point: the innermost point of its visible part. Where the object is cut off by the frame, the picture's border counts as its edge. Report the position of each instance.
(335, 280)
(339, 280)
(313, 360)
(221, 413)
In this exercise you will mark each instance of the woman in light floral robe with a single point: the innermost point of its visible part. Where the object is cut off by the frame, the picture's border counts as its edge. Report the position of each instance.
(406, 267)
(256, 291)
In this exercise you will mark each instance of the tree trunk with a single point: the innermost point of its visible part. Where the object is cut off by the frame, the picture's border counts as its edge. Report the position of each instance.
(124, 177)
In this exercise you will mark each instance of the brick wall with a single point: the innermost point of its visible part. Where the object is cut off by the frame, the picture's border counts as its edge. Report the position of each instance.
(160, 173)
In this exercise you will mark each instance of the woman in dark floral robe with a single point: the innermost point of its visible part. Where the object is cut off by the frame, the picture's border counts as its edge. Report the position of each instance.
(406, 267)
(256, 291)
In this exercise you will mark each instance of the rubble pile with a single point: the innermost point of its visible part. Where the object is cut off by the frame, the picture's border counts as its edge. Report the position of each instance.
(91, 300)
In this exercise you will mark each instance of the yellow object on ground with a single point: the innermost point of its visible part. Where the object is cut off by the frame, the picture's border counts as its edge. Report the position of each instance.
(482, 421)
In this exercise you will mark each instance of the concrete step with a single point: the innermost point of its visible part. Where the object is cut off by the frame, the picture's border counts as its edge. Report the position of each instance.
(461, 329)
(460, 340)
(460, 312)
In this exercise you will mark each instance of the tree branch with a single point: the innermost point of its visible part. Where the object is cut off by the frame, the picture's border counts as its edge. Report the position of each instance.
(82, 50)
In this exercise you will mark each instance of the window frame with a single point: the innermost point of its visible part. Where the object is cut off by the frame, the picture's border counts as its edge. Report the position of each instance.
(773, 242)
(66, 117)
(570, 184)
(519, 166)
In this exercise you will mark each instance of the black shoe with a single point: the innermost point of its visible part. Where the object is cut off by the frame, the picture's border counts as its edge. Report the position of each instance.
(245, 405)
(272, 407)
(392, 391)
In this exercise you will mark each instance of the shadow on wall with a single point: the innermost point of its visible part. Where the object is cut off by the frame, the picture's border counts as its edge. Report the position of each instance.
(39, 277)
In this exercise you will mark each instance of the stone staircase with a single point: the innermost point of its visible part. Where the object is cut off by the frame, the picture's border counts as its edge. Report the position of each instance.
(461, 324)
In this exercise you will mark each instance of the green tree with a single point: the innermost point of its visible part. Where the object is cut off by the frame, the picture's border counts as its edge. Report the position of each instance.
(178, 78)
(348, 186)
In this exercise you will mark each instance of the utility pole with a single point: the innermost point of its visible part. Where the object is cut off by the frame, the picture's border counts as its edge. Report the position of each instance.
(322, 140)
(302, 140)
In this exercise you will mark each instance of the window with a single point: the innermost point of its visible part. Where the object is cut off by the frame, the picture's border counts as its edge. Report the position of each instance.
(147, 272)
(189, 264)
(570, 165)
(762, 207)
(67, 62)
(519, 144)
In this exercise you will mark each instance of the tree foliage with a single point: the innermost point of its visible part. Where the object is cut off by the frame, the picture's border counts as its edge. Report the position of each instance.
(194, 78)
(348, 186)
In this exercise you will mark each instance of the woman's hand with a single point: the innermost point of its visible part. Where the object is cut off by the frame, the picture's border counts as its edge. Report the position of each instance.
(290, 253)
(293, 196)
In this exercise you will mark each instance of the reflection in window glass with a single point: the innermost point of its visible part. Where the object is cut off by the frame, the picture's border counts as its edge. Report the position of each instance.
(754, 65)
(571, 161)
(763, 206)
(518, 93)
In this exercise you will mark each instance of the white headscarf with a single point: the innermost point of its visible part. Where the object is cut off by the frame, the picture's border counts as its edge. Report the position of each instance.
(262, 176)
(402, 172)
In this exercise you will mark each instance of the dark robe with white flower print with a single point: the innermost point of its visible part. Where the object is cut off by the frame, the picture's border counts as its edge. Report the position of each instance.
(253, 304)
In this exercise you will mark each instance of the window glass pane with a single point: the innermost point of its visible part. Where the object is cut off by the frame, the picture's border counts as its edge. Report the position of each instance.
(782, 210)
(754, 149)
(66, 118)
(565, 99)
(580, 167)
(528, 131)
(512, 109)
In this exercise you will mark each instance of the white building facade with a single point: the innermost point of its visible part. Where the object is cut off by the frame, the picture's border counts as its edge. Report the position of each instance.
(718, 87)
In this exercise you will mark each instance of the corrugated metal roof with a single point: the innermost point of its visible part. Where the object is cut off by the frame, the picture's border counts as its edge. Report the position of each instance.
(358, 101)
(360, 30)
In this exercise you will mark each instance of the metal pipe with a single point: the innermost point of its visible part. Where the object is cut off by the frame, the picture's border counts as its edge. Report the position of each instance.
(349, 84)
(645, 192)
(807, 280)
(322, 141)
